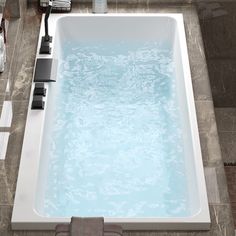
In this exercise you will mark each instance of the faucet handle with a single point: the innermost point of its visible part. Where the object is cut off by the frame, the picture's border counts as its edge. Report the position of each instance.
(39, 89)
(37, 103)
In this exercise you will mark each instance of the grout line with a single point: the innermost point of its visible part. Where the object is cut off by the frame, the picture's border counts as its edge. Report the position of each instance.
(219, 204)
(225, 131)
(8, 205)
(207, 101)
(5, 129)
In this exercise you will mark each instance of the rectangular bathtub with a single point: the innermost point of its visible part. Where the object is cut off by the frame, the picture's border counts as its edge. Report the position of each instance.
(127, 149)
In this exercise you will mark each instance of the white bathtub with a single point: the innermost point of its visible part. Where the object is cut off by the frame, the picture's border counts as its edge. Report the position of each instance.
(107, 28)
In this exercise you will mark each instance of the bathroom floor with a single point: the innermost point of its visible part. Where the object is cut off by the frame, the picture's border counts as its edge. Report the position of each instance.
(217, 20)
(20, 73)
(226, 124)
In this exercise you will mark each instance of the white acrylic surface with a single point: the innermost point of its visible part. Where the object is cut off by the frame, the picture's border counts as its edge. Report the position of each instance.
(88, 27)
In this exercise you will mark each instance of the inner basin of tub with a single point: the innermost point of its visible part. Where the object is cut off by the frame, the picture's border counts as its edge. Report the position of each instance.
(113, 140)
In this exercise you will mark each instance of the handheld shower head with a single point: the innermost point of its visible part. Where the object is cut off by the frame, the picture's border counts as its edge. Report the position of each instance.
(47, 39)
(47, 14)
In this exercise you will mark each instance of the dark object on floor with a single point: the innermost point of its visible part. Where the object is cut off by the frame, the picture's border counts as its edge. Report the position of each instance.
(43, 70)
(37, 103)
(89, 227)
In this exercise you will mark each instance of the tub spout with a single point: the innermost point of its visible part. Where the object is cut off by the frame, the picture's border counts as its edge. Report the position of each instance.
(45, 70)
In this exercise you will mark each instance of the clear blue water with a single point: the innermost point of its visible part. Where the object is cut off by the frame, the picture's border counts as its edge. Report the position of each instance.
(115, 145)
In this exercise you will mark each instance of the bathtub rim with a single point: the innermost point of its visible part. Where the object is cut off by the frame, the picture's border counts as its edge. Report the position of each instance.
(33, 220)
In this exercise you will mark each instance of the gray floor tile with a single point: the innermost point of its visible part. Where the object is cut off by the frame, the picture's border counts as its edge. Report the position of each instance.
(205, 116)
(26, 56)
(13, 6)
(220, 221)
(215, 176)
(225, 119)
(228, 146)
(222, 183)
(2, 97)
(6, 233)
(5, 216)
(212, 185)
(219, 33)
(6, 197)
(3, 84)
(198, 66)
(211, 152)
(223, 84)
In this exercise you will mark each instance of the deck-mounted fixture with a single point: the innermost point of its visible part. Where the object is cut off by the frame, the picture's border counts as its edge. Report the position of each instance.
(47, 39)
(39, 89)
(37, 103)
(39, 93)
(44, 70)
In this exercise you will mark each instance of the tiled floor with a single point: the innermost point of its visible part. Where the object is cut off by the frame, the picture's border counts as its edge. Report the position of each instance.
(22, 67)
(217, 21)
(226, 122)
(226, 125)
